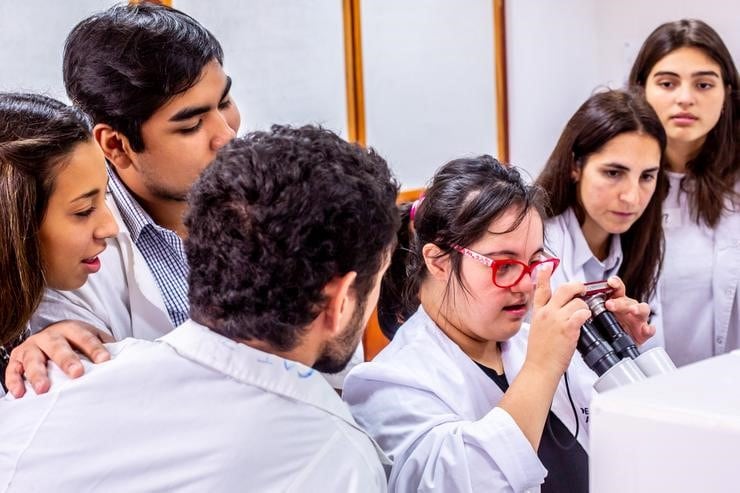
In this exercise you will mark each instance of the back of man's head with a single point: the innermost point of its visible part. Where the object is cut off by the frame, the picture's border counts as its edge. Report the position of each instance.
(276, 217)
(123, 64)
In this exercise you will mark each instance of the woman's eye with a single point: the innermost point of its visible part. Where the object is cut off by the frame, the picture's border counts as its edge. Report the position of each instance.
(666, 84)
(224, 104)
(648, 177)
(612, 173)
(705, 85)
(85, 213)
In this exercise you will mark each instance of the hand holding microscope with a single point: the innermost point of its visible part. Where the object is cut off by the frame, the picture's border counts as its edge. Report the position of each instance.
(610, 351)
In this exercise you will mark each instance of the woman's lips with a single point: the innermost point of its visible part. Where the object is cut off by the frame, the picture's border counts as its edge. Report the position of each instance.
(92, 264)
(683, 119)
(516, 310)
(624, 215)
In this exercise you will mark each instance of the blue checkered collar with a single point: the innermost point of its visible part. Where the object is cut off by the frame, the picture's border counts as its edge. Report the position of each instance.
(134, 216)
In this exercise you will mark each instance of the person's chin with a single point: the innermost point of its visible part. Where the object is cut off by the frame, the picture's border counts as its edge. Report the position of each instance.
(508, 328)
(331, 366)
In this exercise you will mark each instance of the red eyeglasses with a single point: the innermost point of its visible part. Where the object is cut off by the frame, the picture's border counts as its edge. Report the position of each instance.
(508, 272)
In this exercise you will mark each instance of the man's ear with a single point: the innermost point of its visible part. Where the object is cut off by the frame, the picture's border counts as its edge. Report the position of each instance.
(437, 263)
(339, 307)
(114, 144)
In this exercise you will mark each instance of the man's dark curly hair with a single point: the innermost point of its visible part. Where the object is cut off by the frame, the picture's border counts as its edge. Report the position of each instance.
(121, 65)
(274, 219)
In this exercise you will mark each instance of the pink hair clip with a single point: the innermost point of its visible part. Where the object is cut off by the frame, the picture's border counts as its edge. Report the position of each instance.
(414, 207)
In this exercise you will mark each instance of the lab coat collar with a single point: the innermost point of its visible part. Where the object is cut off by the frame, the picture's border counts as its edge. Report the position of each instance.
(257, 368)
(465, 376)
(582, 252)
(465, 372)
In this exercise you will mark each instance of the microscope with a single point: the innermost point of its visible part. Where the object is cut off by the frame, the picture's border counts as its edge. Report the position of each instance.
(609, 351)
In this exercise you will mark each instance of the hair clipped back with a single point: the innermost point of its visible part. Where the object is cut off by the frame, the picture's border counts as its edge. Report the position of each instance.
(463, 198)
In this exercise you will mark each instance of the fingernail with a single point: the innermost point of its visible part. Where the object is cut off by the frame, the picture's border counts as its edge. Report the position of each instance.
(73, 366)
(100, 356)
(38, 387)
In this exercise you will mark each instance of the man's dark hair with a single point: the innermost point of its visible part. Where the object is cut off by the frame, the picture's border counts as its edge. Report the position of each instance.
(123, 64)
(274, 219)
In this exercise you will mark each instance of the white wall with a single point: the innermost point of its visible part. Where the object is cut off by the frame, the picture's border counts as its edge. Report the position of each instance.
(560, 52)
(32, 35)
(429, 82)
(286, 58)
(550, 48)
(428, 64)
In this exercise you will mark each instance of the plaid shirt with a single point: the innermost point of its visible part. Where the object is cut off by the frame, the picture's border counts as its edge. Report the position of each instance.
(162, 249)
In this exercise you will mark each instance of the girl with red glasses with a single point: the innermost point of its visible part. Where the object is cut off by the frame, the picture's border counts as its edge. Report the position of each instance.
(460, 397)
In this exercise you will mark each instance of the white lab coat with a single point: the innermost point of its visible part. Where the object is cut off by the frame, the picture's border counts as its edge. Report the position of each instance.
(726, 281)
(193, 411)
(433, 411)
(123, 298)
(720, 305)
(564, 238)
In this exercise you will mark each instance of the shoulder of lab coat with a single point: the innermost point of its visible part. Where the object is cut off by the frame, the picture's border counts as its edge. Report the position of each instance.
(433, 411)
(122, 298)
(223, 417)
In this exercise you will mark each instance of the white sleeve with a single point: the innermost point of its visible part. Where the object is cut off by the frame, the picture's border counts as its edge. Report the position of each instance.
(337, 466)
(435, 450)
(65, 305)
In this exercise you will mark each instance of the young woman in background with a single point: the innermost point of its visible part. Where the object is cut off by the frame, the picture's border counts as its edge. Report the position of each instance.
(605, 188)
(690, 79)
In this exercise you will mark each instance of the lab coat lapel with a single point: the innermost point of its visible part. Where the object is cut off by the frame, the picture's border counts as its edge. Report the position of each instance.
(484, 393)
(149, 318)
(513, 354)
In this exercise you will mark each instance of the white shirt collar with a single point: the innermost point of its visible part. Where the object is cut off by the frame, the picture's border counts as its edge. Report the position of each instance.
(582, 254)
(257, 368)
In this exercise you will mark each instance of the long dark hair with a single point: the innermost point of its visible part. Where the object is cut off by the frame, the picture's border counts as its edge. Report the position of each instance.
(715, 169)
(601, 118)
(37, 134)
(464, 197)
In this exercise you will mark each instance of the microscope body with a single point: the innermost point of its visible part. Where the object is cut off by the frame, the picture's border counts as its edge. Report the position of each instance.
(609, 351)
